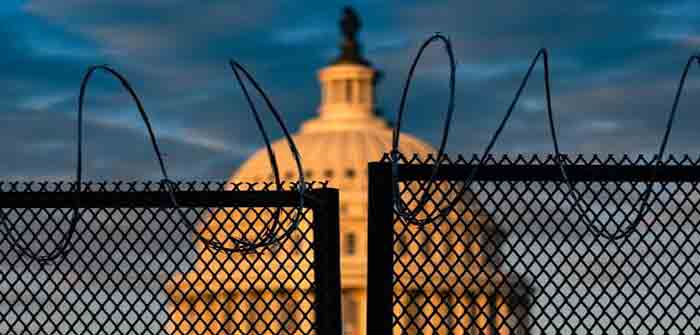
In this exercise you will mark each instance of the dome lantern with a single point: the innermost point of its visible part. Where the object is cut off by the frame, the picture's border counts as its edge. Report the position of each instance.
(336, 146)
(350, 24)
(347, 85)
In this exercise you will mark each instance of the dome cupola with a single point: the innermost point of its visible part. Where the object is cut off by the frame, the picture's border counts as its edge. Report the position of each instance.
(337, 144)
(347, 85)
(350, 48)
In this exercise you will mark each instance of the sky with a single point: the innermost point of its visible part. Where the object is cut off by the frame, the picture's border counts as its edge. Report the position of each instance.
(614, 65)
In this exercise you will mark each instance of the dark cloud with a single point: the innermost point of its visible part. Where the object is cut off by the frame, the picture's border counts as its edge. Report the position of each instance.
(48, 147)
(613, 75)
(614, 71)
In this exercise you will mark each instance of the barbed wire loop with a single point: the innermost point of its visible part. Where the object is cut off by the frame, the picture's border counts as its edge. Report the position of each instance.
(400, 208)
(270, 235)
(63, 247)
(643, 203)
(559, 159)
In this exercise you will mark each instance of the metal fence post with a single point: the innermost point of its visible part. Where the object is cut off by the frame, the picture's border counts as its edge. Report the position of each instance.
(380, 248)
(136, 268)
(326, 220)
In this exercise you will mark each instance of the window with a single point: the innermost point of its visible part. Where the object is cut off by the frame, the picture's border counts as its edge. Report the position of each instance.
(427, 245)
(482, 318)
(254, 313)
(324, 93)
(328, 173)
(336, 86)
(349, 173)
(350, 243)
(364, 91)
(404, 243)
(348, 91)
(447, 302)
(350, 310)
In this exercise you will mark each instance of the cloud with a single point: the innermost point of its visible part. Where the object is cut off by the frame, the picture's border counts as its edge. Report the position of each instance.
(293, 35)
(614, 68)
(111, 150)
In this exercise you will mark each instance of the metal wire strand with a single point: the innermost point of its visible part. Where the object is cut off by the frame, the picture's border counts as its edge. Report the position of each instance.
(410, 217)
(400, 208)
(645, 203)
(466, 185)
(558, 157)
(64, 246)
(270, 235)
(642, 203)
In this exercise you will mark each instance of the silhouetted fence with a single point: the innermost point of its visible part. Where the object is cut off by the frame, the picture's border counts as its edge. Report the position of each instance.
(467, 247)
(518, 251)
(232, 258)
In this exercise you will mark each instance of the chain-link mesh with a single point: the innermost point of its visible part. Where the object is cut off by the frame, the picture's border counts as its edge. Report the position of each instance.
(514, 255)
(135, 265)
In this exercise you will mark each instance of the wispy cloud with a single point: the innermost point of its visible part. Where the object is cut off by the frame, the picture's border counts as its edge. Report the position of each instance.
(614, 65)
(295, 35)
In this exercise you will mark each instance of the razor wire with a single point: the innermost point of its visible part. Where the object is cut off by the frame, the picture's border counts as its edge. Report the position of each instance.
(267, 237)
(644, 199)
(399, 206)
(395, 155)
(243, 245)
(642, 203)
(63, 246)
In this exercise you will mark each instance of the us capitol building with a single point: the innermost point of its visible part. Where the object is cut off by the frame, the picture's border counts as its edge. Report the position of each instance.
(336, 146)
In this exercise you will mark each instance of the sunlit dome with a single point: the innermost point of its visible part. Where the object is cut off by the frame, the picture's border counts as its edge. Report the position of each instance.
(336, 149)
(336, 146)
(346, 135)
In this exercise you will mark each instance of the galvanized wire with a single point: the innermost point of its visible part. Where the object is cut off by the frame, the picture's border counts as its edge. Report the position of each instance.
(410, 215)
(133, 266)
(267, 237)
(64, 244)
(399, 207)
(532, 266)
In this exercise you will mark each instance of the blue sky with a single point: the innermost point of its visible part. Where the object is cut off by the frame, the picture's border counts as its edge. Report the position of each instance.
(615, 67)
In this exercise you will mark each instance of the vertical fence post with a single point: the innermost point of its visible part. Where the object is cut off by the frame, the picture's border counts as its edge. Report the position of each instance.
(380, 270)
(326, 222)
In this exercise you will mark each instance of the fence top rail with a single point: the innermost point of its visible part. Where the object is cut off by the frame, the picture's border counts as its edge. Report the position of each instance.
(18, 194)
(578, 168)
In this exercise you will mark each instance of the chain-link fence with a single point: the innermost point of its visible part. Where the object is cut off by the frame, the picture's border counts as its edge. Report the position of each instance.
(517, 251)
(135, 264)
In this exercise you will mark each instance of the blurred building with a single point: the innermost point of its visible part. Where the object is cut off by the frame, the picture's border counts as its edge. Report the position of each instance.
(336, 146)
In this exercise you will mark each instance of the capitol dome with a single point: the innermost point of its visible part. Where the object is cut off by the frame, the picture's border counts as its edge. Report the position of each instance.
(336, 150)
(336, 146)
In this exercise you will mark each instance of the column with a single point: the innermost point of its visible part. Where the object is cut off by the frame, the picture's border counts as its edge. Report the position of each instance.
(361, 298)
(357, 92)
